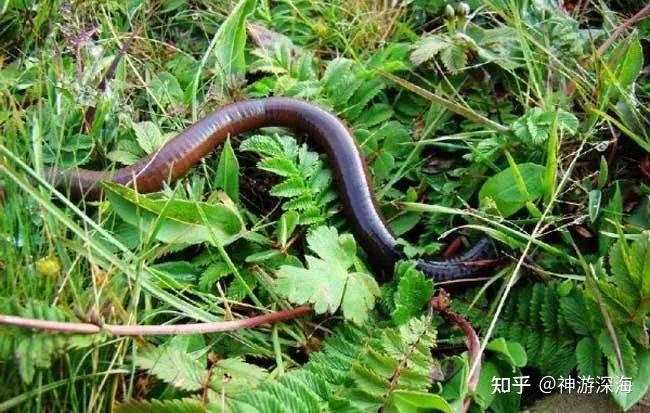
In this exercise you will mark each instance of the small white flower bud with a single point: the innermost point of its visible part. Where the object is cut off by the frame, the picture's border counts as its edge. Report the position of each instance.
(449, 11)
(463, 9)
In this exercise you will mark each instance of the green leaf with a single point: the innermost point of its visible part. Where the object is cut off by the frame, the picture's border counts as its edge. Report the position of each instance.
(454, 58)
(407, 401)
(233, 375)
(212, 274)
(630, 366)
(594, 204)
(148, 136)
(173, 365)
(286, 225)
(331, 247)
(589, 358)
(289, 188)
(263, 145)
(484, 390)
(511, 351)
(640, 383)
(375, 115)
(263, 255)
(175, 220)
(166, 89)
(502, 188)
(326, 283)
(640, 263)
(413, 292)
(628, 59)
(340, 81)
(279, 166)
(534, 127)
(186, 405)
(427, 48)
(603, 173)
(382, 165)
(239, 288)
(72, 151)
(626, 279)
(178, 273)
(566, 121)
(228, 172)
(576, 313)
(361, 290)
(230, 42)
(123, 157)
(363, 95)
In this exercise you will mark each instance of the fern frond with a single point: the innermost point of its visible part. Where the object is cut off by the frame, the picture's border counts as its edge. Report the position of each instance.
(310, 388)
(35, 349)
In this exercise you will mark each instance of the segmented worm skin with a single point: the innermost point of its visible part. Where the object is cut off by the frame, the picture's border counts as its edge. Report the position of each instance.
(320, 127)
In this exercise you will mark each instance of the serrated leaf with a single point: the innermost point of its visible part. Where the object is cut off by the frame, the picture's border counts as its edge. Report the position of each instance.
(263, 145)
(640, 383)
(233, 375)
(576, 313)
(279, 166)
(454, 58)
(263, 256)
(607, 346)
(340, 81)
(32, 350)
(327, 244)
(362, 96)
(289, 188)
(299, 203)
(383, 165)
(626, 279)
(589, 358)
(413, 292)
(427, 48)
(148, 136)
(320, 181)
(212, 274)
(375, 115)
(361, 291)
(567, 121)
(179, 274)
(326, 282)
(123, 157)
(173, 365)
(238, 288)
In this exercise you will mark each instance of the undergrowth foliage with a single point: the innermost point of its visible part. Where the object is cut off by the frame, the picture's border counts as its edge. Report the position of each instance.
(359, 369)
(561, 325)
(524, 120)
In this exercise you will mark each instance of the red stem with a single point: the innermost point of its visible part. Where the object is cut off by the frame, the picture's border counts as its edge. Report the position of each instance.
(440, 303)
(139, 330)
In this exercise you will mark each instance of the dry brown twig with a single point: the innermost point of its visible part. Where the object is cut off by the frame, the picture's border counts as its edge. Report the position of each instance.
(638, 17)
